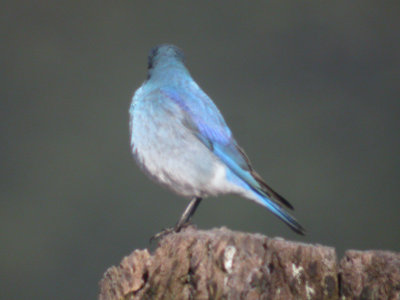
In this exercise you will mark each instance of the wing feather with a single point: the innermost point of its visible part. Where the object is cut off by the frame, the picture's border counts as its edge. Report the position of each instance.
(210, 128)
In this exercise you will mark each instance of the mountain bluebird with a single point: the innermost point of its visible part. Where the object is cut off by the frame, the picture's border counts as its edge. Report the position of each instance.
(180, 139)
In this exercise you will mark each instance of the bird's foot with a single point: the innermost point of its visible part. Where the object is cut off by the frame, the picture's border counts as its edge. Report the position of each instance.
(177, 228)
(163, 233)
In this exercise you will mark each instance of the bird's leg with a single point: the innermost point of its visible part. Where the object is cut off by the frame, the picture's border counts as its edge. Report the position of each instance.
(183, 220)
(187, 214)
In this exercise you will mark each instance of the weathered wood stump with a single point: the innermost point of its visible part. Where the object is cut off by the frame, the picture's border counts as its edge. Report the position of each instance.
(222, 264)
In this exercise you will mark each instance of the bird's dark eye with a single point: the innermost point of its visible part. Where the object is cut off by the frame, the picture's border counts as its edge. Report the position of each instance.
(152, 55)
(179, 54)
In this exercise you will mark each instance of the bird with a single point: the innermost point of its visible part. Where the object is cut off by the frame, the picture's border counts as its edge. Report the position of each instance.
(180, 139)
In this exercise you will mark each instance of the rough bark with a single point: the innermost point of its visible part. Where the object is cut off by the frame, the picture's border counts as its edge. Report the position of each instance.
(370, 275)
(221, 264)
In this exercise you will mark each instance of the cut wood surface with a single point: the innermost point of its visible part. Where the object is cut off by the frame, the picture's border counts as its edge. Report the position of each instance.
(222, 264)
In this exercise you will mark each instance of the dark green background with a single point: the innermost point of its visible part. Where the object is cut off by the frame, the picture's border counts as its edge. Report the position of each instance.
(310, 90)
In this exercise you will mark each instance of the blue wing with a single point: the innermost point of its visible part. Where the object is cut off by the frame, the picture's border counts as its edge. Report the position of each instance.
(203, 118)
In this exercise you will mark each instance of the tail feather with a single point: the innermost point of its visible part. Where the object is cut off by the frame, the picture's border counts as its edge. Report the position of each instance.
(238, 163)
(269, 192)
(280, 213)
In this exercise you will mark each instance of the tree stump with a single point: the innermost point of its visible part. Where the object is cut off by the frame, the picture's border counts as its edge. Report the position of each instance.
(222, 264)
(370, 275)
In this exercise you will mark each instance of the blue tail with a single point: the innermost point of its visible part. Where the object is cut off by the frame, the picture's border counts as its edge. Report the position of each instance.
(280, 213)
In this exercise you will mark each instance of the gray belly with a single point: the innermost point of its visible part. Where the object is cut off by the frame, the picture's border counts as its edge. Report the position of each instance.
(171, 155)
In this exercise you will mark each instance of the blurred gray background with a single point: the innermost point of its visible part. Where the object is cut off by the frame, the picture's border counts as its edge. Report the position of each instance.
(310, 90)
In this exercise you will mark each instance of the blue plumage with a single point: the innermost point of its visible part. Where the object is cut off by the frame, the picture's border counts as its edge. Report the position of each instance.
(180, 139)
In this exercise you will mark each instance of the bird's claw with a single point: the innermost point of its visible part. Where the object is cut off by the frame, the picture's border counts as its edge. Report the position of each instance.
(177, 228)
(161, 234)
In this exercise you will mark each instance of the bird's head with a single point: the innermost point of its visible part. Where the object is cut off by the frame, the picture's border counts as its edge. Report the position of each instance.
(164, 56)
